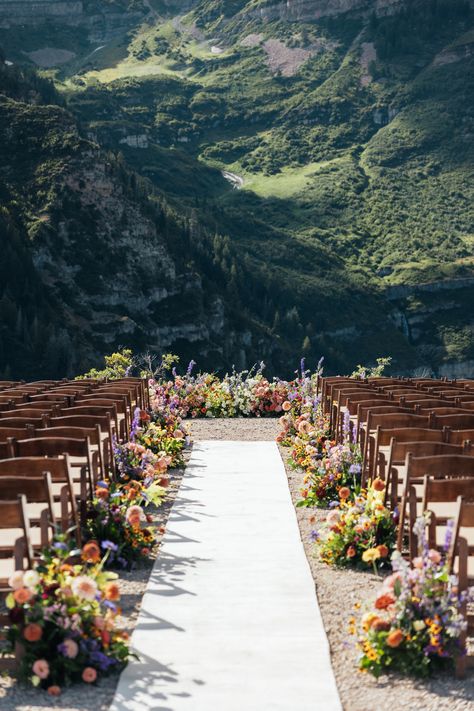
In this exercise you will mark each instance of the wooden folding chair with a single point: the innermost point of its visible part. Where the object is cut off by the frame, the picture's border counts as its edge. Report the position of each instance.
(29, 413)
(105, 422)
(397, 458)
(39, 508)
(443, 466)
(94, 410)
(23, 422)
(454, 421)
(79, 451)
(92, 433)
(462, 552)
(14, 520)
(121, 402)
(65, 492)
(387, 417)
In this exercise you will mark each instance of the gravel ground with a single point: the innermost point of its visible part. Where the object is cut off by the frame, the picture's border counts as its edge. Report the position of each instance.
(240, 428)
(337, 590)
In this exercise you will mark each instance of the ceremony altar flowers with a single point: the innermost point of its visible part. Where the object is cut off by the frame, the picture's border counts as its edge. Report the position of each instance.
(358, 532)
(65, 620)
(237, 394)
(415, 626)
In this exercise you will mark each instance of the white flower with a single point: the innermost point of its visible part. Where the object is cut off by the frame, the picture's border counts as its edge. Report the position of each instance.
(84, 587)
(419, 625)
(31, 579)
(16, 580)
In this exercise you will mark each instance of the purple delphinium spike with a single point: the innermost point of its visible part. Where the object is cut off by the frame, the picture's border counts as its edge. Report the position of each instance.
(135, 424)
(448, 537)
(191, 365)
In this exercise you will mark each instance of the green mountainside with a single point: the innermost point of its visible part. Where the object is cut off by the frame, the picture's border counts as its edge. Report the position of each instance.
(319, 155)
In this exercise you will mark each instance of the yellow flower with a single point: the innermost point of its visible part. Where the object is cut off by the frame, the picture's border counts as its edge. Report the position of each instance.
(370, 555)
(418, 625)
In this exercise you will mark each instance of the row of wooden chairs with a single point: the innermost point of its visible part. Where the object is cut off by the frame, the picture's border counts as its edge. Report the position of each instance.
(416, 435)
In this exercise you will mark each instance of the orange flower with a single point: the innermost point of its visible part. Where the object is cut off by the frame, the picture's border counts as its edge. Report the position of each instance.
(112, 592)
(351, 552)
(395, 638)
(344, 493)
(89, 675)
(101, 492)
(384, 600)
(66, 568)
(378, 484)
(383, 550)
(91, 552)
(22, 595)
(33, 632)
(54, 690)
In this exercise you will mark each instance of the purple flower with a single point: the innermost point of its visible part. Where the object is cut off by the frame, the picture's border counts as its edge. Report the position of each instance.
(109, 546)
(314, 535)
(191, 365)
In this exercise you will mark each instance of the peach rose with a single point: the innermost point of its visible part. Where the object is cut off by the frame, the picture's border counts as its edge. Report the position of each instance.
(351, 552)
(112, 591)
(344, 493)
(286, 406)
(378, 484)
(54, 690)
(395, 638)
(22, 595)
(33, 632)
(383, 550)
(89, 675)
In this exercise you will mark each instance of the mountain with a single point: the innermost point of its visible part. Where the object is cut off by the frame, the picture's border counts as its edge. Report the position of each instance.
(319, 154)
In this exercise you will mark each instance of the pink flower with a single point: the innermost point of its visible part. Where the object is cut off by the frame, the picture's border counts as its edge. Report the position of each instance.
(89, 675)
(70, 648)
(434, 556)
(391, 580)
(134, 514)
(41, 668)
(417, 562)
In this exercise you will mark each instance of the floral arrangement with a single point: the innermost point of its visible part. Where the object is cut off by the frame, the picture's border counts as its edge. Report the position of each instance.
(358, 532)
(115, 520)
(416, 625)
(244, 394)
(116, 514)
(64, 620)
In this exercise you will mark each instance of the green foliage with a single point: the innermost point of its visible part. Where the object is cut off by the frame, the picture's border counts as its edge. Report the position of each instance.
(117, 365)
(375, 371)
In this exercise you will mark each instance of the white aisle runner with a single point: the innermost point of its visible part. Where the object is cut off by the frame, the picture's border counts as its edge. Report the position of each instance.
(230, 620)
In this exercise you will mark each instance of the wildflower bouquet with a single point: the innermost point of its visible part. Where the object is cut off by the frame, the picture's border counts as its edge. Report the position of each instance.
(114, 519)
(358, 532)
(416, 625)
(64, 619)
(337, 467)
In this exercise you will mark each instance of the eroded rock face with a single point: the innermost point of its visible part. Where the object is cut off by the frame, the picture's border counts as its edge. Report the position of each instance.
(29, 12)
(303, 10)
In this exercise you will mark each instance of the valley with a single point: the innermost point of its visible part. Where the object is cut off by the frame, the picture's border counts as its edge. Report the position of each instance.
(347, 127)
